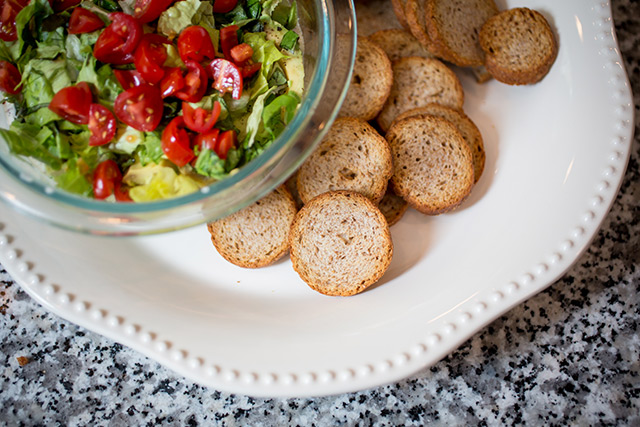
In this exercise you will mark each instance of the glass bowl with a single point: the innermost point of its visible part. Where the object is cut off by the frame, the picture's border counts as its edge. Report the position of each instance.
(329, 33)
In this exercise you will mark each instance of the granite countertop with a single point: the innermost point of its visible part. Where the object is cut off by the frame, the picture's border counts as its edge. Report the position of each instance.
(571, 354)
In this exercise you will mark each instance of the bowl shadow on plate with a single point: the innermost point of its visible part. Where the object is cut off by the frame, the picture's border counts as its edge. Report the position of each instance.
(411, 243)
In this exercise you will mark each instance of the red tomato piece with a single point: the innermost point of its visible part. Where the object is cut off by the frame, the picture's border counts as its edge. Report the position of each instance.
(9, 9)
(194, 43)
(121, 193)
(72, 103)
(140, 107)
(84, 21)
(172, 82)
(149, 57)
(241, 53)
(60, 5)
(9, 78)
(195, 83)
(105, 178)
(128, 78)
(176, 143)
(147, 10)
(224, 6)
(226, 77)
(117, 42)
(102, 125)
(249, 70)
(228, 39)
(226, 141)
(198, 119)
(207, 140)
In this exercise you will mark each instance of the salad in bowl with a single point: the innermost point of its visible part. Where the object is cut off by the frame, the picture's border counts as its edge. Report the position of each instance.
(144, 100)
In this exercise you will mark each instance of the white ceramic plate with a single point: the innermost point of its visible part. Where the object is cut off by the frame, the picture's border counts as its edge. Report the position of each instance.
(556, 154)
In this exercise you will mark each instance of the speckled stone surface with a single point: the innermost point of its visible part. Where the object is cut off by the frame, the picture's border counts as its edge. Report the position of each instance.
(570, 355)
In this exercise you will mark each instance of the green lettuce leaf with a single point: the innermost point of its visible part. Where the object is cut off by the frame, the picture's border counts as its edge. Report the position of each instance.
(185, 13)
(279, 113)
(42, 78)
(266, 52)
(30, 141)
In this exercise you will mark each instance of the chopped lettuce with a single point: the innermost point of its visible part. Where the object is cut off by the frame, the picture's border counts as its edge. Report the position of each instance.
(42, 78)
(157, 181)
(266, 52)
(185, 13)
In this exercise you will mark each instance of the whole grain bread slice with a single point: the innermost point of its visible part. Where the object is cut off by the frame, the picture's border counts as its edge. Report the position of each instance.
(392, 206)
(417, 82)
(352, 156)
(370, 82)
(415, 14)
(340, 243)
(398, 10)
(433, 166)
(463, 123)
(257, 235)
(520, 46)
(399, 43)
(453, 27)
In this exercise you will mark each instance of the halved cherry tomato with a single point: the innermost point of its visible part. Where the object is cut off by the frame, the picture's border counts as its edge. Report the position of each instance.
(198, 119)
(172, 82)
(207, 140)
(149, 57)
(9, 78)
(148, 10)
(195, 83)
(121, 193)
(194, 43)
(250, 69)
(105, 178)
(128, 78)
(226, 77)
(117, 42)
(84, 21)
(241, 53)
(140, 107)
(9, 9)
(72, 103)
(224, 6)
(228, 39)
(102, 125)
(60, 5)
(176, 143)
(226, 141)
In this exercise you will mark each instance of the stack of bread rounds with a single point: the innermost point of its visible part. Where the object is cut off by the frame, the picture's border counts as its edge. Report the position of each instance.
(334, 213)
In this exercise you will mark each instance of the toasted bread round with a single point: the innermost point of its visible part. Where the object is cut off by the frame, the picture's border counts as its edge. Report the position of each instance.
(453, 27)
(433, 166)
(392, 206)
(398, 10)
(465, 126)
(418, 82)
(340, 243)
(372, 15)
(370, 82)
(414, 11)
(399, 43)
(352, 156)
(257, 235)
(520, 46)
